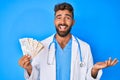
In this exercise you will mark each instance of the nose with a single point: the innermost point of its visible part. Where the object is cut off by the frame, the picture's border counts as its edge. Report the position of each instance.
(63, 21)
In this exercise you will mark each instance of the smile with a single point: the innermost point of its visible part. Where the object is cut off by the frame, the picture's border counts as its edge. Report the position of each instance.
(62, 27)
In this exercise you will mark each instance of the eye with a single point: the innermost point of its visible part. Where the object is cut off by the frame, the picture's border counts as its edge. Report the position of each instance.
(58, 17)
(68, 18)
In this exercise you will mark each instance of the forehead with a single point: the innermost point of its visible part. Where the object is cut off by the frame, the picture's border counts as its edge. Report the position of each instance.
(63, 12)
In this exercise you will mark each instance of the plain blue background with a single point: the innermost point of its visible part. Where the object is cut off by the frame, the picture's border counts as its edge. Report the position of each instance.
(97, 23)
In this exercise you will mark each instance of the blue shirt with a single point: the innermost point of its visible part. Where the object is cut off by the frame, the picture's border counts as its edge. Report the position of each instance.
(63, 61)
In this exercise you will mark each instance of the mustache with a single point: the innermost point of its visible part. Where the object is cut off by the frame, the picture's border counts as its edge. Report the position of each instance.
(62, 25)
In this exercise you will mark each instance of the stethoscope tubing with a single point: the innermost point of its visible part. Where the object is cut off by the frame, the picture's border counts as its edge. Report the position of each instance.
(79, 48)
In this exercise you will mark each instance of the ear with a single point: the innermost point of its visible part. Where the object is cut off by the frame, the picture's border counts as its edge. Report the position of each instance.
(73, 22)
(54, 20)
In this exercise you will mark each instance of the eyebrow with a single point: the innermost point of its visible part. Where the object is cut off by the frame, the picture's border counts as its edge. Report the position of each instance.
(68, 15)
(65, 14)
(58, 15)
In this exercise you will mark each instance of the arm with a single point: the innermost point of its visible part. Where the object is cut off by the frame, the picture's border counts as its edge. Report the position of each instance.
(101, 65)
(90, 65)
(31, 69)
(25, 63)
(95, 71)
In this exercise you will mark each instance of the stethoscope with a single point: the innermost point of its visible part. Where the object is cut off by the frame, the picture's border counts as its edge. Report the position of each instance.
(52, 47)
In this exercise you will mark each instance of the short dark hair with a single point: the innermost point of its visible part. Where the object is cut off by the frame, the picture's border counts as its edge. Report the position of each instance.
(64, 6)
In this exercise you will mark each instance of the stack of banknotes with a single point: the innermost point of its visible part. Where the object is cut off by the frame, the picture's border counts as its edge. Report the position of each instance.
(30, 46)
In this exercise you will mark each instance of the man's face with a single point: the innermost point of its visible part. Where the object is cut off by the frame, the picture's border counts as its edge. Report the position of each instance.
(63, 22)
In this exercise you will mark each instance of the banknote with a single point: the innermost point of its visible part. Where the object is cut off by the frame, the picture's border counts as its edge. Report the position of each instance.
(30, 46)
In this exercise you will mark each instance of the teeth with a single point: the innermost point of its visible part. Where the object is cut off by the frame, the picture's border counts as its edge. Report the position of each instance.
(62, 27)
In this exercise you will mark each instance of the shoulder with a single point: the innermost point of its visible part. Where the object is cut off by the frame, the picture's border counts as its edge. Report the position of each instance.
(84, 47)
(82, 43)
(47, 40)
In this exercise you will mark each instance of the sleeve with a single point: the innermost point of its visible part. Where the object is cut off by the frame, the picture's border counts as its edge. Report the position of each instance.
(90, 65)
(35, 72)
(89, 77)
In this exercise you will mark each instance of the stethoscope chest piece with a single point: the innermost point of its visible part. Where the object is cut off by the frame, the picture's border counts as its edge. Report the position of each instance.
(81, 64)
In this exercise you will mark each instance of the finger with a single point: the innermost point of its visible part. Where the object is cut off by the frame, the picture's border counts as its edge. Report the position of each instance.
(29, 57)
(109, 61)
(24, 59)
(106, 63)
(115, 61)
(26, 64)
(21, 60)
(25, 56)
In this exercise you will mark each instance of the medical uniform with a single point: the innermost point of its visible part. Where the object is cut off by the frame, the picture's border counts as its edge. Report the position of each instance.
(44, 64)
(63, 61)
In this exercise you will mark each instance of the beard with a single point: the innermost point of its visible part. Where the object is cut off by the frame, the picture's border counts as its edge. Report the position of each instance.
(63, 33)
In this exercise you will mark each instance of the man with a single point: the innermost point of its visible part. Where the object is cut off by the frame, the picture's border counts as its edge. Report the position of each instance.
(64, 57)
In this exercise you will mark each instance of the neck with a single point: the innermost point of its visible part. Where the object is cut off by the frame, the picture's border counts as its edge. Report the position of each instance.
(63, 40)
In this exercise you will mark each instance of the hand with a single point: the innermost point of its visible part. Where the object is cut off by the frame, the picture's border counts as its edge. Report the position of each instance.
(101, 65)
(108, 63)
(25, 63)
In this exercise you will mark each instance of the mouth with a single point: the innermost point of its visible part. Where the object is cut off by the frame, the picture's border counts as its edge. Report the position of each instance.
(62, 27)
(63, 30)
